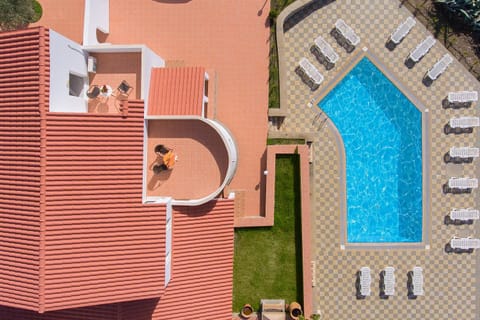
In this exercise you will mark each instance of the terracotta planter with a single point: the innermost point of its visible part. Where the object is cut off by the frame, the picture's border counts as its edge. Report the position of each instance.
(295, 310)
(247, 311)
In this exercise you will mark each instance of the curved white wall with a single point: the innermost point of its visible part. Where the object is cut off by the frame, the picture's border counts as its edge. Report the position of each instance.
(232, 152)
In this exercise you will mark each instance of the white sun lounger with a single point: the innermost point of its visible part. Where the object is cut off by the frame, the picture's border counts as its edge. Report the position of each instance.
(347, 32)
(365, 281)
(462, 96)
(465, 243)
(402, 30)
(311, 71)
(465, 214)
(439, 67)
(389, 280)
(463, 183)
(326, 49)
(464, 122)
(417, 280)
(464, 152)
(422, 49)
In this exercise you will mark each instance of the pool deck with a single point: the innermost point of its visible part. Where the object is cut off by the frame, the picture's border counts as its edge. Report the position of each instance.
(451, 281)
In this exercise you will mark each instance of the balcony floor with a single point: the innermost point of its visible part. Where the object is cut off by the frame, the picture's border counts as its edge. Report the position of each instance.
(202, 159)
(112, 69)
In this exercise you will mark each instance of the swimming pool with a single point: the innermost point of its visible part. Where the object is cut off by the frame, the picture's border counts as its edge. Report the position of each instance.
(382, 136)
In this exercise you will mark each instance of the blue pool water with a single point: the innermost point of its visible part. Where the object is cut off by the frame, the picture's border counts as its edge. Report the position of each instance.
(382, 135)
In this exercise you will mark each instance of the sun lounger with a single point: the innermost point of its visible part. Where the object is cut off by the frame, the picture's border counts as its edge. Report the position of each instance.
(402, 30)
(462, 96)
(326, 50)
(465, 243)
(464, 152)
(463, 183)
(311, 71)
(422, 49)
(347, 32)
(439, 67)
(464, 214)
(365, 281)
(417, 281)
(389, 281)
(464, 122)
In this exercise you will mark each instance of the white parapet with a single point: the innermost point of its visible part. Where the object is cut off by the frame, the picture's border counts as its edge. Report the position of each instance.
(96, 17)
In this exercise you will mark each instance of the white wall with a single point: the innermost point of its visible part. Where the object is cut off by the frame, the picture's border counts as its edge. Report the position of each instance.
(66, 57)
(96, 16)
(149, 61)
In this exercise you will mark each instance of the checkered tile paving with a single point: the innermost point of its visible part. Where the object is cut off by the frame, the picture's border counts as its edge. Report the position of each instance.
(449, 280)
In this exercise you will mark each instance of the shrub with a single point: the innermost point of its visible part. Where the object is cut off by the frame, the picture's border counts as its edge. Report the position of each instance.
(15, 14)
(37, 7)
(467, 10)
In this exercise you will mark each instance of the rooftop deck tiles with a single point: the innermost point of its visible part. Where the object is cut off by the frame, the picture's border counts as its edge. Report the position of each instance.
(237, 54)
(202, 159)
(448, 278)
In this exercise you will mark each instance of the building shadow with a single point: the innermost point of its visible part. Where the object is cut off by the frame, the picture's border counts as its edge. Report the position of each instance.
(295, 17)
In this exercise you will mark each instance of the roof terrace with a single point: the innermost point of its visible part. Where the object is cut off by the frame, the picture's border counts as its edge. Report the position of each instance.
(202, 159)
(111, 69)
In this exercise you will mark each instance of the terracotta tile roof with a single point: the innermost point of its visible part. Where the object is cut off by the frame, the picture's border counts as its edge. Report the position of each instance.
(71, 194)
(202, 274)
(20, 176)
(104, 244)
(72, 213)
(176, 91)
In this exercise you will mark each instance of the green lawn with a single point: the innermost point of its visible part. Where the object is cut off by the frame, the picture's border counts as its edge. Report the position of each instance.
(285, 141)
(276, 6)
(267, 261)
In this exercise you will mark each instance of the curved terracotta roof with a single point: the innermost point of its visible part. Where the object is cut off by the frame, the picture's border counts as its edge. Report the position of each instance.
(176, 91)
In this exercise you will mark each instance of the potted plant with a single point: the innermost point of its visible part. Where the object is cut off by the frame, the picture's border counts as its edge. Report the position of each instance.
(246, 311)
(295, 310)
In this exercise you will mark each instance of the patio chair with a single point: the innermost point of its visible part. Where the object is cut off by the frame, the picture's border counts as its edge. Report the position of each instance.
(464, 214)
(123, 90)
(417, 280)
(347, 32)
(93, 92)
(326, 50)
(272, 309)
(464, 122)
(465, 243)
(402, 30)
(462, 96)
(387, 282)
(311, 72)
(422, 49)
(439, 67)
(463, 183)
(365, 281)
